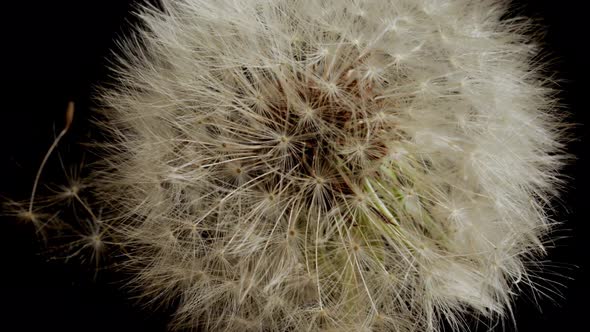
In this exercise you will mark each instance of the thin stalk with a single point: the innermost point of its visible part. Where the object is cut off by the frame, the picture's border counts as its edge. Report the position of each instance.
(69, 119)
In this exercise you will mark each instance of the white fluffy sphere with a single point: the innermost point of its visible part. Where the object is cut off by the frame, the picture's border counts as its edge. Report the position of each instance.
(330, 165)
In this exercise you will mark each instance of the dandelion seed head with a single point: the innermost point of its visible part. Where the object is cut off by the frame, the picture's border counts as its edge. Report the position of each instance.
(333, 165)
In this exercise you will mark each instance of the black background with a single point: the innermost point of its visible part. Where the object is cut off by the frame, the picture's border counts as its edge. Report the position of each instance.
(54, 51)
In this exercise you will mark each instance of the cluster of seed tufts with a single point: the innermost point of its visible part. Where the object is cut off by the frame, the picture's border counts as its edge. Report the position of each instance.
(336, 165)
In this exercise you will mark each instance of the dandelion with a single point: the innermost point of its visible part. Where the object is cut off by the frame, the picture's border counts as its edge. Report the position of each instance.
(336, 165)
